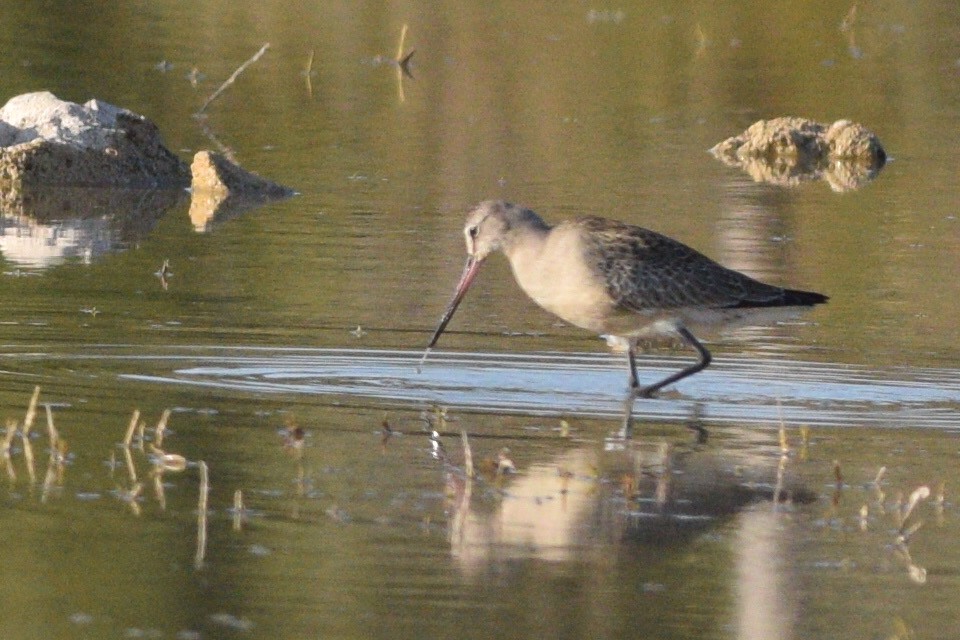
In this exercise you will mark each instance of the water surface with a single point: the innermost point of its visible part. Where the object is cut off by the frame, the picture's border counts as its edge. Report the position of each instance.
(312, 313)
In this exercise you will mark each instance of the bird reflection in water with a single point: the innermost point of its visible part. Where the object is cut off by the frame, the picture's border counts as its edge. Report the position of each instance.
(649, 496)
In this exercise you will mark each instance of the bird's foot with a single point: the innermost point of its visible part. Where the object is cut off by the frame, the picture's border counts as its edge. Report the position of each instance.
(652, 392)
(636, 391)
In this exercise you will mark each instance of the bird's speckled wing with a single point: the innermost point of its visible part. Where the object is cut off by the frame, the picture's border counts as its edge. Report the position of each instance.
(646, 271)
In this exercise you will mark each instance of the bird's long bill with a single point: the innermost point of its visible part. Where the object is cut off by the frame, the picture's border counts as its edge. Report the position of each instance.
(469, 273)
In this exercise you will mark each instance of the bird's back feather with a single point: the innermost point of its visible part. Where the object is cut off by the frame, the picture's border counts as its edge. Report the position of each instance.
(647, 271)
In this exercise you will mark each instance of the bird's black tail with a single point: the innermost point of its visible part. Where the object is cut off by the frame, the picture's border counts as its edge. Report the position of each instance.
(775, 297)
(797, 298)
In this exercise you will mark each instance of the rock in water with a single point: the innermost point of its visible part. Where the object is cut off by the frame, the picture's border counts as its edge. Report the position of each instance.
(790, 150)
(48, 141)
(222, 189)
(214, 172)
(806, 140)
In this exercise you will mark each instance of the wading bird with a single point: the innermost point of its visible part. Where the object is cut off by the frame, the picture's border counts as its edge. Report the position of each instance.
(620, 280)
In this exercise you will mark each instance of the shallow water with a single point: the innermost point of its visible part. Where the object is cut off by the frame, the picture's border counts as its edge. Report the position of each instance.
(313, 313)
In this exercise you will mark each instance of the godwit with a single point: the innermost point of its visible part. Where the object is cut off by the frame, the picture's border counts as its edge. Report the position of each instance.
(618, 279)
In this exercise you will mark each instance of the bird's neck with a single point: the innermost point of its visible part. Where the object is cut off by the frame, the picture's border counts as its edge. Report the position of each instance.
(525, 241)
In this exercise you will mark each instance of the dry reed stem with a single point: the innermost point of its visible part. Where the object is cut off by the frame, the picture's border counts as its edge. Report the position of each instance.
(51, 430)
(159, 492)
(403, 67)
(307, 72)
(8, 437)
(49, 479)
(31, 412)
(879, 476)
(202, 515)
(920, 493)
(131, 469)
(403, 36)
(233, 77)
(238, 510)
(161, 428)
(28, 458)
(128, 439)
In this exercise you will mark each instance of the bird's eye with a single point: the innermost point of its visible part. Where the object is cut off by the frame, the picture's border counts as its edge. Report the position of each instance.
(473, 231)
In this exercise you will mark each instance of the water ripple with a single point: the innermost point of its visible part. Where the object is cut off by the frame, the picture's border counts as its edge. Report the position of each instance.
(743, 391)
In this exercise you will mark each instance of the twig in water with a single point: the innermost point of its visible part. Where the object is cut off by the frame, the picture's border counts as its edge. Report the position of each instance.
(403, 69)
(128, 439)
(51, 430)
(233, 77)
(226, 150)
(28, 458)
(403, 36)
(238, 510)
(50, 478)
(164, 274)
(131, 496)
(403, 61)
(31, 412)
(202, 515)
(158, 489)
(131, 468)
(161, 428)
(307, 72)
(879, 476)
(920, 493)
(12, 429)
(849, 20)
(908, 532)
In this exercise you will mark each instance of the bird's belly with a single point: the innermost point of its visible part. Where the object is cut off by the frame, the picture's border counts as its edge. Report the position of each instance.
(703, 320)
(606, 318)
(700, 320)
(578, 310)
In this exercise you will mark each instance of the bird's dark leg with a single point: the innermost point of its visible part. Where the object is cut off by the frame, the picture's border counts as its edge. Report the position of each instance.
(632, 361)
(700, 365)
(626, 431)
(626, 428)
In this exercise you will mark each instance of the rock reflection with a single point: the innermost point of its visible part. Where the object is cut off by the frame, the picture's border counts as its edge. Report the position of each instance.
(207, 209)
(41, 228)
(841, 175)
